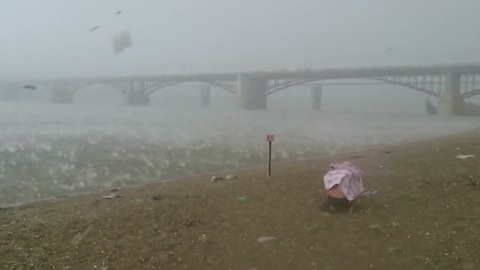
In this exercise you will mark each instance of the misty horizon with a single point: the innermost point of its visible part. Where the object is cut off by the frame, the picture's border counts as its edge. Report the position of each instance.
(51, 38)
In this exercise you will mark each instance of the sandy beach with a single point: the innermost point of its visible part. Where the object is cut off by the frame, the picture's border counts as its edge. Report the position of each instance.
(425, 215)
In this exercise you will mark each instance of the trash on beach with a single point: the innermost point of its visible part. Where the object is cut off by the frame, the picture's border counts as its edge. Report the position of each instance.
(112, 195)
(387, 152)
(265, 239)
(157, 197)
(380, 166)
(313, 227)
(395, 224)
(464, 156)
(241, 199)
(473, 181)
(395, 250)
(80, 236)
(230, 177)
(370, 193)
(226, 177)
(203, 238)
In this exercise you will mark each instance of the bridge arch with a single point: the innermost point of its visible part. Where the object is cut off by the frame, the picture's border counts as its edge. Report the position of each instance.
(292, 83)
(222, 85)
(471, 94)
(75, 87)
(99, 92)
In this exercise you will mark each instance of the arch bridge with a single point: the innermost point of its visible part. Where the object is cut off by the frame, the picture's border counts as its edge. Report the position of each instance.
(451, 84)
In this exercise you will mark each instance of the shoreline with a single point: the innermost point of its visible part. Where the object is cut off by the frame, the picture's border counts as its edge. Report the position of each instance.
(426, 197)
(232, 171)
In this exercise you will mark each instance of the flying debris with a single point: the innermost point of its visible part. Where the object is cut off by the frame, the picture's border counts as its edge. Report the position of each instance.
(94, 28)
(121, 42)
(29, 86)
(118, 12)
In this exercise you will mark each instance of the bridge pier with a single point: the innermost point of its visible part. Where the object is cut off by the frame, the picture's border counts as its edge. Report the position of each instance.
(136, 95)
(451, 102)
(252, 92)
(205, 96)
(62, 94)
(317, 97)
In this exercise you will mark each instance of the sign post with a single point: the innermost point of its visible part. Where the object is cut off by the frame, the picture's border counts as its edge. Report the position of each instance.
(270, 139)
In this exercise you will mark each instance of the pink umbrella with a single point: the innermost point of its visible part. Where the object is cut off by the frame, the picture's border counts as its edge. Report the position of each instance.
(347, 176)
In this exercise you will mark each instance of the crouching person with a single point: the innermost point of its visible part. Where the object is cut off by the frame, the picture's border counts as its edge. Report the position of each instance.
(343, 186)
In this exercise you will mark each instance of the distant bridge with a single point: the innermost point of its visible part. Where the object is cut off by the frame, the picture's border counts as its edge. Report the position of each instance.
(450, 83)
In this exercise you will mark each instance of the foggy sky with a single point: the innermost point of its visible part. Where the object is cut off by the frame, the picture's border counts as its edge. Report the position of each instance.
(48, 38)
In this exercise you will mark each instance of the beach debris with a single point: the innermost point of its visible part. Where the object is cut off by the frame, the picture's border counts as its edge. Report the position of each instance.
(395, 250)
(313, 227)
(113, 194)
(230, 177)
(157, 197)
(225, 177)
(387, 152)
(80, 236)
(265, 239)
(395, 224)
(241, 199)
(191, 222)
(380, 166)
(464, 156)
(370, 193)
(203, 238)
(473, 181)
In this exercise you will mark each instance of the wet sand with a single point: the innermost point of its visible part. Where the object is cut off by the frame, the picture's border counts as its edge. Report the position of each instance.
(426, 215)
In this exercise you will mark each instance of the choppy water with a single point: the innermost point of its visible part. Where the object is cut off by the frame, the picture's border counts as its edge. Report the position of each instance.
(51, 150)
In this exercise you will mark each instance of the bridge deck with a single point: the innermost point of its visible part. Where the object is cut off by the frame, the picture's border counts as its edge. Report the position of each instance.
(326, 73)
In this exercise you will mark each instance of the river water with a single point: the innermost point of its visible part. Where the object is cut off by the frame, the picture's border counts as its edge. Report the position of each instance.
(48, 150)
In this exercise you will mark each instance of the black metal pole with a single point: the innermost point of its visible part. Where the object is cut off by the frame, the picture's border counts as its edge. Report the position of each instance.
(269, 158)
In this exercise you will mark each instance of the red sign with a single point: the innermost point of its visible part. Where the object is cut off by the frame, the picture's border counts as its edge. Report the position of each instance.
(270, 138)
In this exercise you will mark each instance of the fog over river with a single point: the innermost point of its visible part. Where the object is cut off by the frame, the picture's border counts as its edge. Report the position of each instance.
(48, 150)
